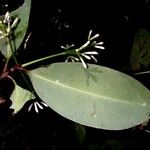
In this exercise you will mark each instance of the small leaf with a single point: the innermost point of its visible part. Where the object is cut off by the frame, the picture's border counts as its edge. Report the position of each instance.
(22, 13)
(98, 97)
(19, 97)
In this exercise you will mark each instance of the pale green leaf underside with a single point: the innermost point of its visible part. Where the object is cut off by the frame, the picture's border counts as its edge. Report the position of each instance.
(19, 97)
(99, 97)
(23, 14)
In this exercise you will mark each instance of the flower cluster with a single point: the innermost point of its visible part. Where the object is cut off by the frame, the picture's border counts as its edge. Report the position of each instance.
(81, 54)
(7, 25)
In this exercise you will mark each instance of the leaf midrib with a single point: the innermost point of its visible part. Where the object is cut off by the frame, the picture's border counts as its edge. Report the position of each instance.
(86, 92)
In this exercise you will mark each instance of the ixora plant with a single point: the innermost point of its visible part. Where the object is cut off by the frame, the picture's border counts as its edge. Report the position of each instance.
(88, 94)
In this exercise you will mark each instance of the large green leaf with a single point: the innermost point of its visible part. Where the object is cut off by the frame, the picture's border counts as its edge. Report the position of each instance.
(99, 97)
(19, 97)
(22, 13)
(140, 55)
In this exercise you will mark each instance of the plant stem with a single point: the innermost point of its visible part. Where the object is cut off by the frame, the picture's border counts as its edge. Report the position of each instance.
(5, 66)
(12, 49)
(16, 62)
(42, 59)
(12, 53)
(140, 73)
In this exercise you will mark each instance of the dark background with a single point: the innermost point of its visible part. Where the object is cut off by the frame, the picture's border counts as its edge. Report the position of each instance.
(116, 21)
(56, 23)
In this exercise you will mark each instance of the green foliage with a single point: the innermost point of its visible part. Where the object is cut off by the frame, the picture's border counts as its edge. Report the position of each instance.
(140, 55)
(99, 97)
(20, 96)
(22, 13)
(88, 94)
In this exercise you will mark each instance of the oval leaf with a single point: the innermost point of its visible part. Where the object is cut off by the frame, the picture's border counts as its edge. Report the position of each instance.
(22, 13)
(98, 97)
